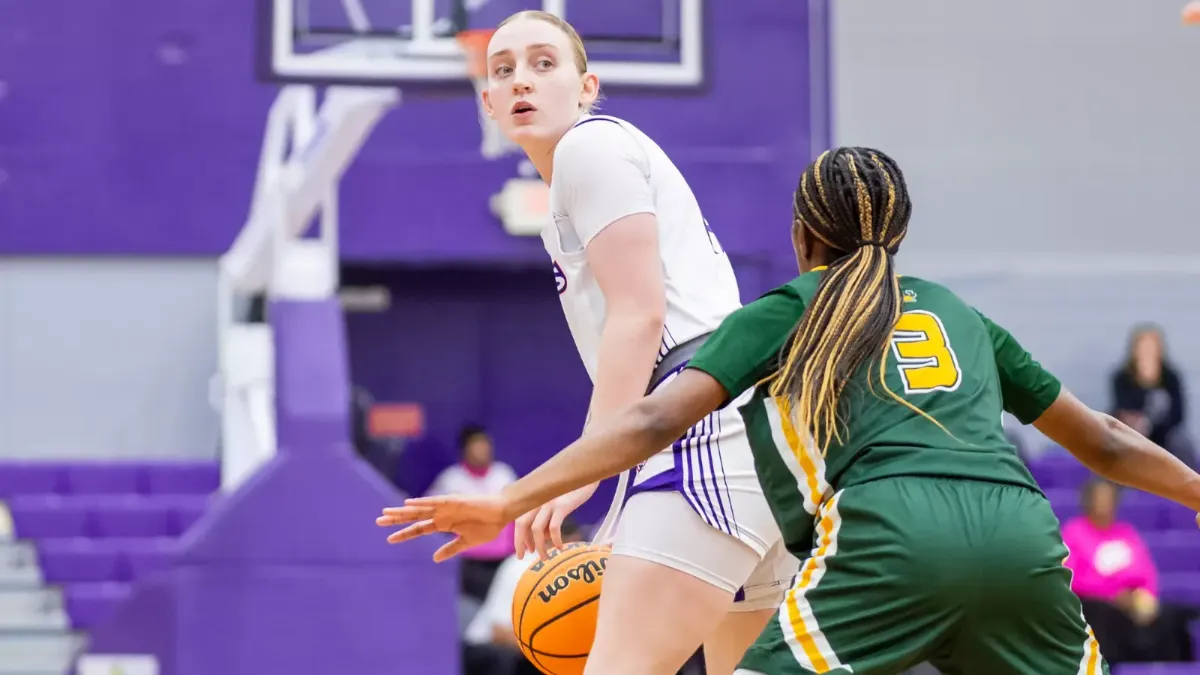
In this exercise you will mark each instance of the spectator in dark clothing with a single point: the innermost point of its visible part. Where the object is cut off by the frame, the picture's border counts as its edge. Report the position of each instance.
(1148, 393)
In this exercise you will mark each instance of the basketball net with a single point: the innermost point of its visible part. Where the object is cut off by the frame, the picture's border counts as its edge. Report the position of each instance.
(474, 46)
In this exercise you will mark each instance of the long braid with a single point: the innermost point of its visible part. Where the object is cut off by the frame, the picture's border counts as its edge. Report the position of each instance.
(855, 201)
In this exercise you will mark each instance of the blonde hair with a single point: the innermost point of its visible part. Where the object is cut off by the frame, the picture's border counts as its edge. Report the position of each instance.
(577, 48)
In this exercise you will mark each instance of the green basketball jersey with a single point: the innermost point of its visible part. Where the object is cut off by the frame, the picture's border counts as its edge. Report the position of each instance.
(945, 358)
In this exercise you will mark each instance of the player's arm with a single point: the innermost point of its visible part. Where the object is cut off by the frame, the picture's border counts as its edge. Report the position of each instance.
(603, 176)
(1102, 443)
(1115, 451)
(740, 353)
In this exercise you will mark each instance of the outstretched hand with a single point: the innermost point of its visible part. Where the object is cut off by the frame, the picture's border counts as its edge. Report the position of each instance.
(473, 520)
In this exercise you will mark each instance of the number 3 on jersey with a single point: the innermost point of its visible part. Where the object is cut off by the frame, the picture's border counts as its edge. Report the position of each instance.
(926, 361)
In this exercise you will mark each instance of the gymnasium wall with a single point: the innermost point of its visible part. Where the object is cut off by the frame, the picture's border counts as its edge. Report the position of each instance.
(138, 137)
(1050, 150)
(1029, 128)
(107, 358)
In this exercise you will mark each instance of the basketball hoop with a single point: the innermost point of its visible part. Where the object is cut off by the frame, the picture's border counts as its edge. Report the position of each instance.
(474, 47)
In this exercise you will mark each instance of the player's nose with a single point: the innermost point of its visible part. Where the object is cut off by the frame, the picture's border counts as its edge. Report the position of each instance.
(522, 83)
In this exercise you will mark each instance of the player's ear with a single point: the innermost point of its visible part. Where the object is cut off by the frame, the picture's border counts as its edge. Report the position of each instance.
(591, 91)
(487, 102)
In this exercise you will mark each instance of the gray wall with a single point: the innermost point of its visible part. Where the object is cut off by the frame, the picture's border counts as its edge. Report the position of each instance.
(1051, 150)
(1065, 126)
(107, 358)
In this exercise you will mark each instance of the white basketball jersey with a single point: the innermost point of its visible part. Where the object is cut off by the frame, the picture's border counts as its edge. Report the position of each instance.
(605, 154)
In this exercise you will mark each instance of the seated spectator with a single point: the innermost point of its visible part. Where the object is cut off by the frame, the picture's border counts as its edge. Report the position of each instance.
(478, 473)
(1148, 393)
(489, 643)
(1117, 582)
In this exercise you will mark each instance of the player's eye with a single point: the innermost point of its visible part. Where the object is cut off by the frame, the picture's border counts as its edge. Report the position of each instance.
(502, 71)
(544, 64)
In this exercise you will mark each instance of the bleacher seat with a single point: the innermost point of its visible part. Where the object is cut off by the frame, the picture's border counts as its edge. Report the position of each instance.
(29, 478)
(90, 604)
(102, 479)
(1174, 550)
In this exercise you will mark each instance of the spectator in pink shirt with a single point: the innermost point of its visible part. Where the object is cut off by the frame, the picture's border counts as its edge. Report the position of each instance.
(1117, 581)
(479, 473)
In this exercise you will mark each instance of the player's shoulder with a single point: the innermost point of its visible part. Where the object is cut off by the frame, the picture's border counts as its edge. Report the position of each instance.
(596, 134)
(916, 290)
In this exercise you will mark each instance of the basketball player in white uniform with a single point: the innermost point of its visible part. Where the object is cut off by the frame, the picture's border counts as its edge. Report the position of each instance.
(698, 557)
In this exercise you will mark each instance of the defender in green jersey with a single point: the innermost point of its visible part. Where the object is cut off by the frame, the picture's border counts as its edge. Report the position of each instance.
(875, 425)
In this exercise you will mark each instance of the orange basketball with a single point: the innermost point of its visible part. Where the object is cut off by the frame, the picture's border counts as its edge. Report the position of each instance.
(554, 608)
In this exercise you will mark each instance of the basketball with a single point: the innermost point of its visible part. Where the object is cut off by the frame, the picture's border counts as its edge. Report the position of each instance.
(555, 606)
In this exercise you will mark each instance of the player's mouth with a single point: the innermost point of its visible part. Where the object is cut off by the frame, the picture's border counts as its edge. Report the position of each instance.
(522, 111)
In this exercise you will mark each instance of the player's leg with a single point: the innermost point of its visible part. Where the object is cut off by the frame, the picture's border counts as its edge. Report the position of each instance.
(660, 599)
(761, 595)
(726, 646)
(1025, 620)
(859, 604)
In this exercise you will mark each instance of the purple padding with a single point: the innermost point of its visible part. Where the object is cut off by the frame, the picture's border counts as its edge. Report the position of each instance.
(132, 517)
(1174, 550)
(74, 560)
(89, 605)
(29, 478)
(102, 479)
(42, 517)
(1180, 587)
(187, 478)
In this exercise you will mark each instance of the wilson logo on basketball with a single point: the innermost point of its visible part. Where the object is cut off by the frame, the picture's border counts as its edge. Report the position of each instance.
(587, 572)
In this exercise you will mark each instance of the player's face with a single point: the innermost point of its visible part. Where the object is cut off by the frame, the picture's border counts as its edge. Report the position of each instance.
(535, 91)
(479, 451)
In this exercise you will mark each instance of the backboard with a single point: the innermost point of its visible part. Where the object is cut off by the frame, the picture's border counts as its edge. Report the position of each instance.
(638, 43)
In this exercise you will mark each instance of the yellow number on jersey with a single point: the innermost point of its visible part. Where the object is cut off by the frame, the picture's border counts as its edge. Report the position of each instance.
(923, 353)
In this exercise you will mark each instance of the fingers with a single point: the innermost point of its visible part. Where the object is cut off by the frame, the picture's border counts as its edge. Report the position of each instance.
(399, 515)
(412, 532)
(556, 521)
(450, 550)
(540, 526)
(522, 543)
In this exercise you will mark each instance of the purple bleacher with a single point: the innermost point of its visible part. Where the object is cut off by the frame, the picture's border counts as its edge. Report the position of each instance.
(54, 516)
(184, 511)
(1180, 517)
(182, 478)
(1181, 588)
(1058, 469)
(102, 479)
(132, 516)
(1174, 550)
(147, 556)
(66, 561)
(76, 560)
(89, 604)
(29, 478)
(1157, 669)
(49, 516)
